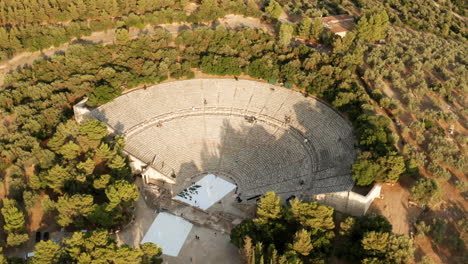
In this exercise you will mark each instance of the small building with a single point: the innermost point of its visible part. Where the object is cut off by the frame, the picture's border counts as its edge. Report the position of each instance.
(340, 24)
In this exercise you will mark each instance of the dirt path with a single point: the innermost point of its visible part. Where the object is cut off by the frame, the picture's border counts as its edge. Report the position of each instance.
(106, 37)
(394, 206)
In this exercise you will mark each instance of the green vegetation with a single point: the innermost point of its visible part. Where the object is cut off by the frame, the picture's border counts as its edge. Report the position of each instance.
(14, 225)
(426, 191)
(268, 237)
(273, 10)
(421, 15)
(369, 239)
(94, 247)
(74, 163)
(71, 170)
(80, 176)
(26, 26)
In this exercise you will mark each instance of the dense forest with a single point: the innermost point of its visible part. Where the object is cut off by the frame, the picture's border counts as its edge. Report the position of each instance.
(56, 22)
(400, 77)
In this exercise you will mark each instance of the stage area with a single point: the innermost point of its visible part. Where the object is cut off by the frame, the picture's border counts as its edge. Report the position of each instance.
(169, 232)
(206, 192)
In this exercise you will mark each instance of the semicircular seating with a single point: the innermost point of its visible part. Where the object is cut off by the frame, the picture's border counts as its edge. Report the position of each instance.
(263, 137)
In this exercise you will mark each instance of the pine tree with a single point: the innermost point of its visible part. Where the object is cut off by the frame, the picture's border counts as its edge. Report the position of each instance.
(126, 255)
(269, 208)
(315, 216)
(94, 129)
(375, 243)
(151, 253)
(13, 217)
(72, 208)
(121, 192)
(4, 39)
(101, 182)
(2, 258)
(46, 252)
(302, 242)
(400, 249)
(248, 249)
(316, 29)
(117, 162)
(122, 37)
(14, 239)
(70, 150)
(86, 166)
(305, 27)
(286, 31)
(273, 9)
(56, 177)
(104, 152)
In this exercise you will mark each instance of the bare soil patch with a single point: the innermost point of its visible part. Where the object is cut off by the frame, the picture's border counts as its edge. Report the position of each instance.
(394, 206)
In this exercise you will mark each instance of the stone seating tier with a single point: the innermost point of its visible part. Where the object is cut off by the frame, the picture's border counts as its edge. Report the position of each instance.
(263, 136)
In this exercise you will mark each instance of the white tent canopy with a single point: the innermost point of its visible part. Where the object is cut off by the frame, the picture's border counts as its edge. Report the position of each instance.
(168, 232)
(206, 192)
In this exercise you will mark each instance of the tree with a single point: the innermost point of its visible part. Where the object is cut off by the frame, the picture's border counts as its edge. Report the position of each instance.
(272, 228)
(126, 254)
(14, 223)
(314, 216)
(46, 252)
(3, 260)
(400, 249)
(87, 166)
(15, 239)
(104, 152)
(56, 177)
(94, 129)
(241, 231)
(375, 243)
(365, 169)
(392, 166)
(304, 27)
(70, 150)
(117, 162)
(13, 217)
(373, 27)
(426, 191)
(316, 29)
(71, 209)
(273, 9)
(121, 193)
(99, 247)
(285, 34)
(151, 253)
(269, 208)
(341, 45)
(122, 37)
(102, 181)
(103, 94)
(302, 243)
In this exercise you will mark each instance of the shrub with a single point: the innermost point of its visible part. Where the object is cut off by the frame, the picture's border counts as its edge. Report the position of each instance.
(422, 228)
(438, 230)
(426, 191)
(438, 171)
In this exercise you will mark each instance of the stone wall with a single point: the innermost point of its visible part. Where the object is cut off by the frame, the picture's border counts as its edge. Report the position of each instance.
(147, 172)
(81, 111)
(350, 202)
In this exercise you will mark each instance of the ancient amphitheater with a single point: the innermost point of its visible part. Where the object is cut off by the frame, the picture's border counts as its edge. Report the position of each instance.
(258, 136)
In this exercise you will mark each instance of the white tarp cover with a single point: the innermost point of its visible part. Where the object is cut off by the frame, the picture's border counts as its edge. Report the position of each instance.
(168, 232)
(206, 192)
